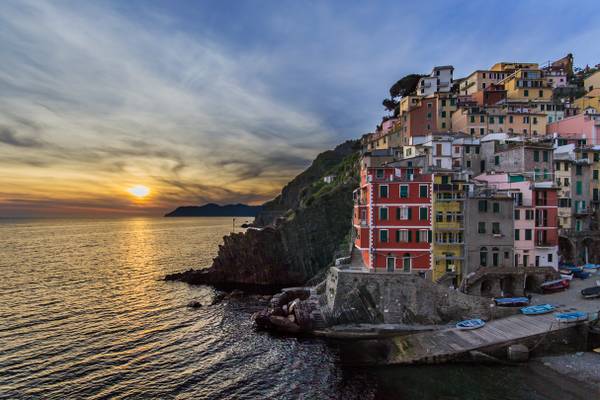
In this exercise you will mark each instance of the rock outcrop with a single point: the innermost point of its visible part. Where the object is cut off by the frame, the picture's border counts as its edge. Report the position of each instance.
(302, 242)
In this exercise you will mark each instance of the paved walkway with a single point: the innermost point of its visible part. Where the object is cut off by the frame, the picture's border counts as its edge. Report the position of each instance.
(445, 345)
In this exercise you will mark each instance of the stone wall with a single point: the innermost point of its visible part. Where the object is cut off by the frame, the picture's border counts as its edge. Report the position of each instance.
(396, 298)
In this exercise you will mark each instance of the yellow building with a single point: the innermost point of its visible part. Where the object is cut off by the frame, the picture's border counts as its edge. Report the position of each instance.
(527, 84)
(448, 228)
(590, 99)
(592, 82)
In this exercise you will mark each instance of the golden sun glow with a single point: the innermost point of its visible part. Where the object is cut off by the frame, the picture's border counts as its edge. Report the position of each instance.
(139, 191)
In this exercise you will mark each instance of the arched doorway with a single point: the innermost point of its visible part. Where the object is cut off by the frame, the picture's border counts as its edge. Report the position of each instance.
(566, 250)
(486, 288)
(530, 285)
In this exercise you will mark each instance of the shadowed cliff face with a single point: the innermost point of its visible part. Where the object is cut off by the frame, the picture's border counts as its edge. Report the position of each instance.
(301, 243)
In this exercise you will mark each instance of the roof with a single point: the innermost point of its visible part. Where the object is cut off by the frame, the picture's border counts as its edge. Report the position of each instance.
(466, 140)
(567, 148)
(494, 136)
(443, 67)
(593, 93)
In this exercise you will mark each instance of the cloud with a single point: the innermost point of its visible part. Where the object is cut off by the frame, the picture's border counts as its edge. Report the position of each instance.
(9, 136)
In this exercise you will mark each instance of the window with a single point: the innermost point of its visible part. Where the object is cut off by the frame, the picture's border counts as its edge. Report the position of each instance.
(491, 120)
(482, 205)
(510, 119)
(402, 235)
(467, 149)
(534, 120)
(403, 191)
(472, 130)
(595, 175)
(579, 187)
(545, 156)
(423, 213)
(549, 257)
(527, 234)
(566, 182)
(495, 256)
(496, 207)
(468, 163)
(536, 155)
(483, 256)
(403, 213)
(481, 227)
(578, 170)
(517, 234)
(472, 119)
(383, 213)
(383, 235)
(443, 114)
(528, 214)
(501, 119)
(496, 228)
(379, 173)
(481, 131)
(541, 93)
(482, 119)
(526, 93)
(439, 216)
(383, 191)
(596, 157)
(476, 150)
(517, 214)
(423, 191)
(497, 160)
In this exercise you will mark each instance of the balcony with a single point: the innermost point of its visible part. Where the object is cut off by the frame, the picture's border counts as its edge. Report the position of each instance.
(544, 243)
(448, 187)
(583, 212)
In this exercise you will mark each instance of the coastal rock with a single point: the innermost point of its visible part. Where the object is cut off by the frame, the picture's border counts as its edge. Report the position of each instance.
(316, 222)
(194, 304)
(283, 324)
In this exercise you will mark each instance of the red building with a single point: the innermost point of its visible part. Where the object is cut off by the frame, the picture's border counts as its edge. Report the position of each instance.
(392, 216)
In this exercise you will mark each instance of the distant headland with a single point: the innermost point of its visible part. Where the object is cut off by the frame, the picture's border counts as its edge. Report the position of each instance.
(215, 210)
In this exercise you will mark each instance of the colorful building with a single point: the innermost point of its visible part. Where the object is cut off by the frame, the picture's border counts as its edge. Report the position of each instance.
(392, 218)
(584, 127)
(448, 227)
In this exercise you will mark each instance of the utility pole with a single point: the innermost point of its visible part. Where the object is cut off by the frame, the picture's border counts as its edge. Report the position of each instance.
(233, 225)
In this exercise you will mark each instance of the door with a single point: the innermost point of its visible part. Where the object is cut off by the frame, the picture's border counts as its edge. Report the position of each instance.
(391, 264)
(525, 261)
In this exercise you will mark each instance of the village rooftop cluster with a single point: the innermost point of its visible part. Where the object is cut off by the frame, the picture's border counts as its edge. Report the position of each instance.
(490, 175)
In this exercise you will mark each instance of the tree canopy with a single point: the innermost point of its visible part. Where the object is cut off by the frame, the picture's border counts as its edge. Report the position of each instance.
(405, 86)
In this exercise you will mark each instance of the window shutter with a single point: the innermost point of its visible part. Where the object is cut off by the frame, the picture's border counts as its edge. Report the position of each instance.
(409, 212)
(409, 236)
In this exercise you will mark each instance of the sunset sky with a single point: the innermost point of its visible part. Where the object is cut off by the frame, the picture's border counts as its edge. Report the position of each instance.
(225, 101)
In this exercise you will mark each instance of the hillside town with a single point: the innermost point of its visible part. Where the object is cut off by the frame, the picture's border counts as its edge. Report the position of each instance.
(487, 183)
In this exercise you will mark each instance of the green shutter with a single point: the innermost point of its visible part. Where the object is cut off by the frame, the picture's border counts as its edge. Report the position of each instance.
(409, 236)
(409, 213)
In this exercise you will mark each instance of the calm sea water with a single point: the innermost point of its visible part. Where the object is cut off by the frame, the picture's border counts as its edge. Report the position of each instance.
(84, 314)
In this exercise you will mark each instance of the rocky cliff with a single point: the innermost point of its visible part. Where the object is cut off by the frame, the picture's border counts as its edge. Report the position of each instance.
(304, 238)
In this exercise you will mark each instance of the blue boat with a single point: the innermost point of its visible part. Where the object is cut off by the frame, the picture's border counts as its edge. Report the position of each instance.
(538, 309)
(581, 274)
(470, 324)
(511, 301)
(574, 316)
(591, 267)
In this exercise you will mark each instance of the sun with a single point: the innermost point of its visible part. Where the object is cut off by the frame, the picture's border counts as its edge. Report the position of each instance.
(139, 191)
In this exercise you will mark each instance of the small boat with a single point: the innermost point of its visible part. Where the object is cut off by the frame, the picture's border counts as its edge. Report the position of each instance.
(591, 267)
(574, 316)
(470, 324)
(565, 271)
(581, 274)
(554, 286)
(566, 276)
(591, 292)
(511, 301)
(538, 309)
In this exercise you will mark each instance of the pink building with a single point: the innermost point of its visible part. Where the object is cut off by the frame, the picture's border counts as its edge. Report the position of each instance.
(535, 219)
(580, 126)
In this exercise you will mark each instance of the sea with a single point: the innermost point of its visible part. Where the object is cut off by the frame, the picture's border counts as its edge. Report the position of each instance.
(85, 314)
